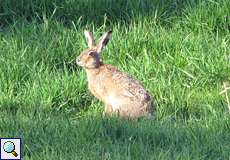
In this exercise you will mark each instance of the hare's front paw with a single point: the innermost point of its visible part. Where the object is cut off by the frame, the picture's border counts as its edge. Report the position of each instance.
(103, 114)
(108, 110)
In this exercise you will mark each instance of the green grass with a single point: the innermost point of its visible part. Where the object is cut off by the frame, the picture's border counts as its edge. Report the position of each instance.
(178, 49)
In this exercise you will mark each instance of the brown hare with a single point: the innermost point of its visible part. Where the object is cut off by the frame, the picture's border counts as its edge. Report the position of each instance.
(121, 93)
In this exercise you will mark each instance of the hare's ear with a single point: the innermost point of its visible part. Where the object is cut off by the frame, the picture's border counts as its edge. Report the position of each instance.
(103, 41)
(89, 38)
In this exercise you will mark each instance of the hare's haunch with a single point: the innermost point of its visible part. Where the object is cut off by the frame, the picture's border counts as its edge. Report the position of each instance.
(120, 92)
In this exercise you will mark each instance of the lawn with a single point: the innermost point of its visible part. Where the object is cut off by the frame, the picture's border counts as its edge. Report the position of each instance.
(179, 50)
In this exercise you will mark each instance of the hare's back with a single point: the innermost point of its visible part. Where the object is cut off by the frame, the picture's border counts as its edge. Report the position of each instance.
(127, 85)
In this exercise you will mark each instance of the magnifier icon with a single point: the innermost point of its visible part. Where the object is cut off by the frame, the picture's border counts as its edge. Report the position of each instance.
(9, 147)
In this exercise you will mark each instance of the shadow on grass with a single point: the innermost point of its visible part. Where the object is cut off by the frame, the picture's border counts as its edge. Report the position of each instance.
(94, 12)
(57, 135)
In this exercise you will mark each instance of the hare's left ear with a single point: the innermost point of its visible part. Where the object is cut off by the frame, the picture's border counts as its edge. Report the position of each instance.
(103, 41)
(89, 38)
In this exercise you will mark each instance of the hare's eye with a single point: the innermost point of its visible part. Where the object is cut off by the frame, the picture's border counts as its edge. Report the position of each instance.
(91, 53)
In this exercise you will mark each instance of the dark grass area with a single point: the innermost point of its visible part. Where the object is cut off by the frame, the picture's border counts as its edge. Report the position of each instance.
(56, 136)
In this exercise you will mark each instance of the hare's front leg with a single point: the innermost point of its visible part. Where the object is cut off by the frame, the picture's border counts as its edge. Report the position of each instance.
(108, 110)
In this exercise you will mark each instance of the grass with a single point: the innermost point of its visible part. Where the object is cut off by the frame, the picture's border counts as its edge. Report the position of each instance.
(179, 50)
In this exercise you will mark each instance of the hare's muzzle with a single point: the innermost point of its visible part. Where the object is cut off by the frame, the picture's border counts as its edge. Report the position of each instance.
(78, 61)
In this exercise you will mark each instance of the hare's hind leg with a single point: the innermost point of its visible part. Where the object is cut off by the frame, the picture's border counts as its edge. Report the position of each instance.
(134, 110)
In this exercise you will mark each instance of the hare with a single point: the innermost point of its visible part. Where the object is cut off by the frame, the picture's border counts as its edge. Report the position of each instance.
(120, 93)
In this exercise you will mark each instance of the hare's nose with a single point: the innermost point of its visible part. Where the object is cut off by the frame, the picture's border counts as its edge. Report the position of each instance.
(78, 61)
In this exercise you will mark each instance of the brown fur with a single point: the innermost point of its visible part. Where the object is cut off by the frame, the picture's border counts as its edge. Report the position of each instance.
(120, 92)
